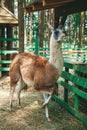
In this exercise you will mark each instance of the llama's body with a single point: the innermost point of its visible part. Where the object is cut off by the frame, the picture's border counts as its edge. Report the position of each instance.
(37, 72)
(34, 71)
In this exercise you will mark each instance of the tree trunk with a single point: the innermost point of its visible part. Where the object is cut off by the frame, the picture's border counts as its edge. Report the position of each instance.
(50, 20)
(31, 22)
(10, 5)
(81, 33)
(41, 28)
(21, 25)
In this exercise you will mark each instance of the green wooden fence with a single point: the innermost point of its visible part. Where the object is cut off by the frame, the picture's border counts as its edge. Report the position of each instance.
(4, 63)
(74, 82)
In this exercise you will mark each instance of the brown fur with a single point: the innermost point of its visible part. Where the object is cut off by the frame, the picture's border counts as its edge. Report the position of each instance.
(28, 70)
(29, 66)
(13, 55)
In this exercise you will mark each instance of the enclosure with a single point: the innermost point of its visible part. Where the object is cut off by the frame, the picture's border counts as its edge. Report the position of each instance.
(24, 28)
(31, 115)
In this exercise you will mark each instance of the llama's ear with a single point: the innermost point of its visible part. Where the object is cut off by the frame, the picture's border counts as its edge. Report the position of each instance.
(60, 25)
(62, 20)
(51, 28)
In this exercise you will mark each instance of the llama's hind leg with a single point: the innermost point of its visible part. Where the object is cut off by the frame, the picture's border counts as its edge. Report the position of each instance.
(21, 85)
(12, 89)
(18, 89)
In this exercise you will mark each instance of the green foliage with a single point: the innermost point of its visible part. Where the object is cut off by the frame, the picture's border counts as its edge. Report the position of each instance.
(76, 19)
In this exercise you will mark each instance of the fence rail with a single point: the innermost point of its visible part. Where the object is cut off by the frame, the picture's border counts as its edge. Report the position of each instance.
(75, 83)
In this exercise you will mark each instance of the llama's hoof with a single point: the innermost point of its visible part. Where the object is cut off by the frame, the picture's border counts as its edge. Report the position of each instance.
(19, 107)
(10, 110)
(49, 120)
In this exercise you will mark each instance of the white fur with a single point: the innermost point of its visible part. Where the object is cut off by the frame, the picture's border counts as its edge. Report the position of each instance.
(56, 56)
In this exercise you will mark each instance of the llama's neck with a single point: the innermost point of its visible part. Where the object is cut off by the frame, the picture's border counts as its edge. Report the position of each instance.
(56, 56)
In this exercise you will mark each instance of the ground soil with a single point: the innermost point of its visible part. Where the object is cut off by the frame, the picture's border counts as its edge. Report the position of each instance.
(32, 116)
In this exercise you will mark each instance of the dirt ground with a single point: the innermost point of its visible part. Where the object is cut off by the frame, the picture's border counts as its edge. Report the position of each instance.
(31, 116)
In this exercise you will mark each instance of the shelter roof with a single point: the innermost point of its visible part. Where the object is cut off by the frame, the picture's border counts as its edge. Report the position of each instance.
(7, 17)
(65, 6)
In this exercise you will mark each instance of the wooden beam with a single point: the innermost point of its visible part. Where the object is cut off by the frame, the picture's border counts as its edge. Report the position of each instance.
(47, 4)
(39, 7)
(65, 7)
(58, 2)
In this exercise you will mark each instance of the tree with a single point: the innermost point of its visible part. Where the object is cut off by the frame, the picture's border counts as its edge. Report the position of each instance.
(81, 34)
(21, 25)
(41, 27)
(31, 24)
(10, 5)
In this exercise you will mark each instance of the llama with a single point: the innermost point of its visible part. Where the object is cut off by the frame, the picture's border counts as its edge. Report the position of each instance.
(37, 72)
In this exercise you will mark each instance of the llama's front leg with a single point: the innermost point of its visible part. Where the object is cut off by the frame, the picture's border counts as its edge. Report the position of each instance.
(46, 97)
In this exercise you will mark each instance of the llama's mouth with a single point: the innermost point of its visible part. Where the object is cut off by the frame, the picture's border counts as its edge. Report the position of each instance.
(59, 41)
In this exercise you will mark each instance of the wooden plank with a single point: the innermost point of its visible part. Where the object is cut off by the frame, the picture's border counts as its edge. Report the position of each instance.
(8, 51)
(47, 3)
(5, 61)
(73, 89)
(65, 89)
(68, 65)
(39, 7)
(76, 67)
(4, 68)
(76, 101)
(54, 2)
(8, 39)
(79, 81)
(70, 109)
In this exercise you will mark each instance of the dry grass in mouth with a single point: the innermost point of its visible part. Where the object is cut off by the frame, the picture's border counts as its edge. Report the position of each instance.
(31, 116)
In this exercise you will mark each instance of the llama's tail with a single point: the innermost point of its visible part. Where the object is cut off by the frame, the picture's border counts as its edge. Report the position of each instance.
(13, 55)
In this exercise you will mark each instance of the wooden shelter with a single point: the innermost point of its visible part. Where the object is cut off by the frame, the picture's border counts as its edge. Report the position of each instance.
(62, 7)
(7, 21)
(65, 7)
(7, 17)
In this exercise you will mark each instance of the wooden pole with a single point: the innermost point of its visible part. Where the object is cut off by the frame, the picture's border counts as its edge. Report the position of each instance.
(21, 25)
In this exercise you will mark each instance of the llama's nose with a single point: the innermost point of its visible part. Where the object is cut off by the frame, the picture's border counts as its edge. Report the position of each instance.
(59, 41)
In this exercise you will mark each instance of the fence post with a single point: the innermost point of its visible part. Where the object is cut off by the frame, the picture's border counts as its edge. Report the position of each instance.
(36, 46)
(76, 102)
(65, 89)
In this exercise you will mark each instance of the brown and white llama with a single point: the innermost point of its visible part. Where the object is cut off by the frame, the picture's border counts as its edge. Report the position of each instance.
(37, 72)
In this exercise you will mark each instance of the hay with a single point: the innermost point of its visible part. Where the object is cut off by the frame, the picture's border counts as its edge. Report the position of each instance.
(31, 116)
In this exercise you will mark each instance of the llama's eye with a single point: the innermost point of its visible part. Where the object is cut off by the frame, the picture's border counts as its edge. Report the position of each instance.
(56, 33)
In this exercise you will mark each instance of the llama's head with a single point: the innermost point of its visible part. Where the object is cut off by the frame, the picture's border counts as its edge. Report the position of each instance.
(57, 34)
